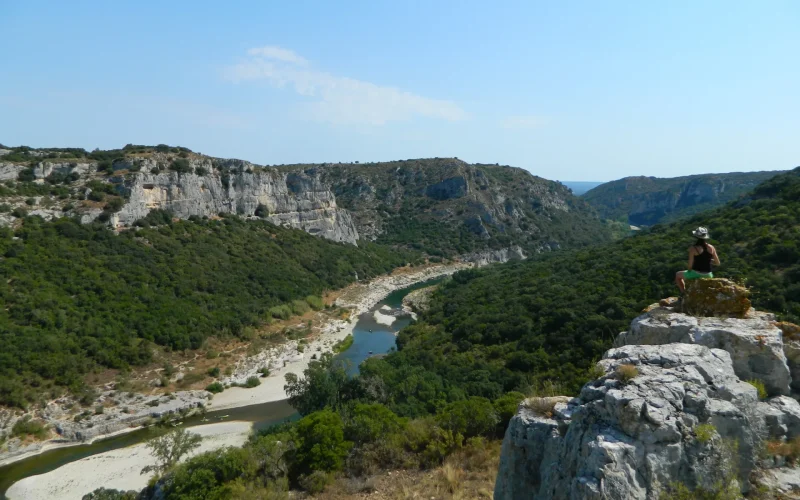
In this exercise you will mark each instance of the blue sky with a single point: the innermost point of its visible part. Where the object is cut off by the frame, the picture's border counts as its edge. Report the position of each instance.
(568, 90)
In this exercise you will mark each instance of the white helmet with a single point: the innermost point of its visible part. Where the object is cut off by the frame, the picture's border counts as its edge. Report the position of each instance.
(701, 233)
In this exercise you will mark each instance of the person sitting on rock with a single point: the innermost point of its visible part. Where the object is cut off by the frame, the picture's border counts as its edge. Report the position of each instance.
(702, 255)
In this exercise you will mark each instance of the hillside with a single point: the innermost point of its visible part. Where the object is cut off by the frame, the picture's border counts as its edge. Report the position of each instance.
(546, 320)
(644, 201)
(535, 328)
(80, 297)
(444, 207)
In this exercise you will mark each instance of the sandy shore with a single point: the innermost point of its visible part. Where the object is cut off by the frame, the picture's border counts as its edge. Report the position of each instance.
(118, 469)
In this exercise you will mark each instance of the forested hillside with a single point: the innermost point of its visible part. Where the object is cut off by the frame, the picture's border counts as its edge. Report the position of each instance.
(79, 296)
(644, 201)
(502, 328)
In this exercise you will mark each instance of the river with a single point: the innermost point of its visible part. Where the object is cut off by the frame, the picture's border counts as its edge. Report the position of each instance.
(369, 338)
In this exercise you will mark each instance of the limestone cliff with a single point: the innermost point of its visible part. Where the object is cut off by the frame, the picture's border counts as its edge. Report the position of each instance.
(675, 413)
(293, 199)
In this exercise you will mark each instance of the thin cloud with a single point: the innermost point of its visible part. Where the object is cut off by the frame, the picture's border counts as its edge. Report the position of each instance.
(337, 99)
(523, 122)
(278, 54)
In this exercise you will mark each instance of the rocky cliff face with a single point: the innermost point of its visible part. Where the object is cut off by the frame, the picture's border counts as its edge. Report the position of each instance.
(673, 415)
(294, 199)
(645, 201)
(442, 206)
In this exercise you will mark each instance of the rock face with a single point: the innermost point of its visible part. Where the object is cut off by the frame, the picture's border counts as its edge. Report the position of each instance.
(630, 440)
(716, 297)
(495, 256)
(294, 199)
(672, 407)
(755, 344)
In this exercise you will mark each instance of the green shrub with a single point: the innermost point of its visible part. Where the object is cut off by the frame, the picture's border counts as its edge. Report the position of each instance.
(343, 344)
(369, 422)
(760, 387)
(213, 372)
(181, 165)
(705, 432)
(506, 407)
(316, 482)
(300, 307)
(215, 388)
(281, 312)
(19, 213)
(264, 371)
(319, 443)
(29, 427)
(315, 302)
(471, 417)
(30, 202)
(252, 382)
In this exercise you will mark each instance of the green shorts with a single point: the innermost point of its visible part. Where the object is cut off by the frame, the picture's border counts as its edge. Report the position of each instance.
(694, 275)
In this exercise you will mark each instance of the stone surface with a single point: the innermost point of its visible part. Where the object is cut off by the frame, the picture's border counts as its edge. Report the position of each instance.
(495, 256)
(755, 343)
(716, 297)
(625, 441)
(292, 199)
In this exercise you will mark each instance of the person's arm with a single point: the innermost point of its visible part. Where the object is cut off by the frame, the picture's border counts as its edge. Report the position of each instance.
(691, 258)
(715, 257)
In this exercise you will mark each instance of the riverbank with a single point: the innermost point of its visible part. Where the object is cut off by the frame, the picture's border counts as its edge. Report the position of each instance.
(117, 412)
(358, 298)
(117, 469)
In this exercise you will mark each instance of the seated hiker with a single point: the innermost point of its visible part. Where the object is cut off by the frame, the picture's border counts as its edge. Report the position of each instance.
(701, 257)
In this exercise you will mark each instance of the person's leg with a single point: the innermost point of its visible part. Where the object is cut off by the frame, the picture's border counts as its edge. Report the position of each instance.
(679, 281)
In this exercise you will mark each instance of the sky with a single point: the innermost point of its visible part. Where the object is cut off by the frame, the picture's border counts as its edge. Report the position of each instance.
(579, 90)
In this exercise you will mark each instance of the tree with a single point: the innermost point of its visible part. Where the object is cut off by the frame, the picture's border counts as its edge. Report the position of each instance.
(319, 443)
(170, 448)
(370, 422)
(323, 385)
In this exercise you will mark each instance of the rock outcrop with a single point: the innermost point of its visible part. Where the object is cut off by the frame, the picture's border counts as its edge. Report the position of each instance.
(674, 411)
(716, 297)
(755, 344)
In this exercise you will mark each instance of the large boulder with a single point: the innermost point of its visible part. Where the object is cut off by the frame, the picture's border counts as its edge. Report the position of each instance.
(629, 436)
(716, 297)
(755, 344)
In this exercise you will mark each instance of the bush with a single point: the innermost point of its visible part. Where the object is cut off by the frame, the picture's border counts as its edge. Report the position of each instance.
(316, 482)
(760, 387)
(28, 427)
(469, 418)
(30, 202)
(315, 302)
(213, 372)
(319, 443)
(26, 175)
(626, 373)
(300, 307)
(369, 422)
(19, 213)
(200, 171)
(252, 382)
(506, 407)
(264, 371)
(181, 165)
(215, 388)
(343, 344)
(705, 432)
(280, 312)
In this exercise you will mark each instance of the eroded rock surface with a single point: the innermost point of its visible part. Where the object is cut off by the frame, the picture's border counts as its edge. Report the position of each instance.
(755, 344)
(629, 440)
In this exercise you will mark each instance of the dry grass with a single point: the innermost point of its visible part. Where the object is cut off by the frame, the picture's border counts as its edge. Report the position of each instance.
(541, 406)
(789, 450)
(626, 373)
(467, 474)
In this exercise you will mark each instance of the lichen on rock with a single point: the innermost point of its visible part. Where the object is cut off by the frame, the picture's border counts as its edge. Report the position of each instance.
(716, 297)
